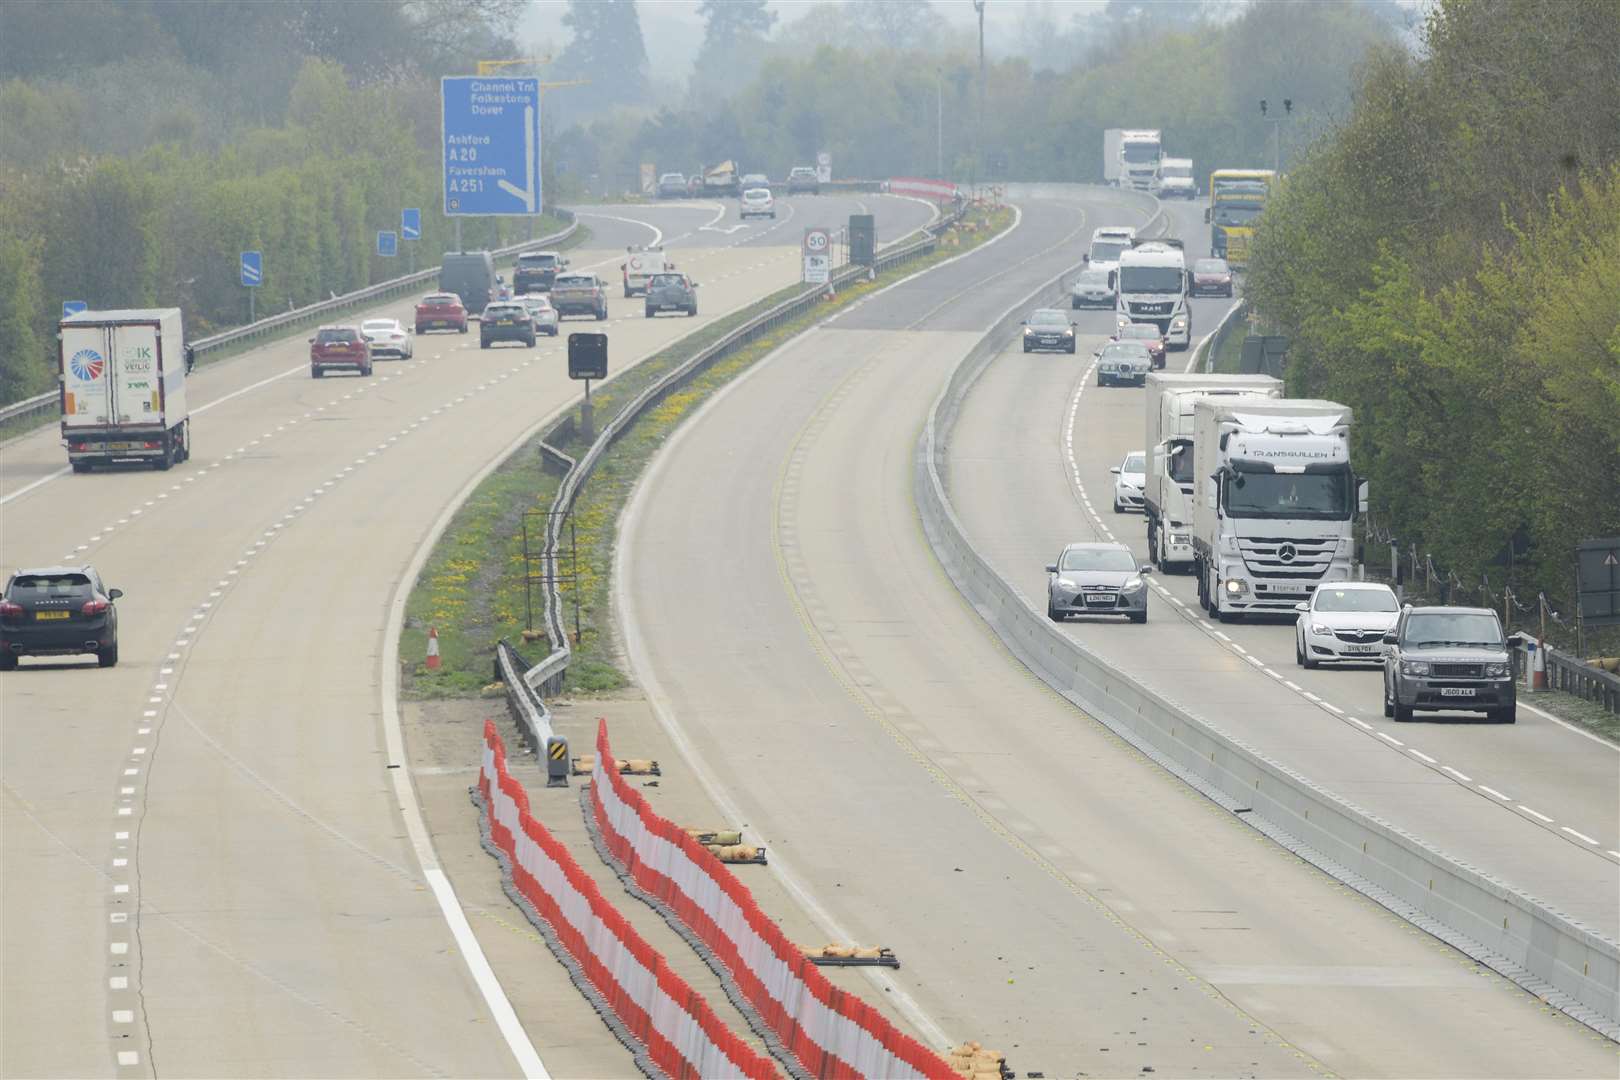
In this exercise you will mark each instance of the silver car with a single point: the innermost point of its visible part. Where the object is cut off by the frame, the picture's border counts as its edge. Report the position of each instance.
(1125, 362)
(1345, 622)
(1096, 579)
(1093, 288)
(1130, 476)
(540, 310)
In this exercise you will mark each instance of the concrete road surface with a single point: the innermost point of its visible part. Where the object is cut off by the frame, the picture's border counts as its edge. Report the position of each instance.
(1051, 893)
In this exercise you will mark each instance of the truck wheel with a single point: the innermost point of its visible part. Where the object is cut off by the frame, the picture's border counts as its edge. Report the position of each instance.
(185, 441)
(108, 657)
(81, 466)
(166, 462)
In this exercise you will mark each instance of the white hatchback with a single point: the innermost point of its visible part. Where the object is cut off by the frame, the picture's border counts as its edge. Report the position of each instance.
(757, 202)
(388, 337)
(1129, 477)
(1345, 622)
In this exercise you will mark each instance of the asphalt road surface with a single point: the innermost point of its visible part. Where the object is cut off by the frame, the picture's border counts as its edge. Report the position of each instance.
(1051, 892)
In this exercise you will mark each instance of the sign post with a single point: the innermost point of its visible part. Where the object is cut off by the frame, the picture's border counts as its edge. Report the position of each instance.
(252, 273)
(587, 359)
(817, 249)
(824, 168)
(490, 131)
(410, 228)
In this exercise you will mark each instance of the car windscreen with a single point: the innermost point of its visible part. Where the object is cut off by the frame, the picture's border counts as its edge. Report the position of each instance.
(1106, 251)
(1437, 628)
(44, 586)
(1093, 277)
(379, 324)
(1210, 266)
(335, 337)
(568, 281)
(1125, 350)
(1047, 317)
(442, 300)
(1140, 332)
(1330, 599)
(1134, 463)
(1150, 279)
(1106, 559)
(666, 280)
(503, 311)
(537, 262)
(756, 194)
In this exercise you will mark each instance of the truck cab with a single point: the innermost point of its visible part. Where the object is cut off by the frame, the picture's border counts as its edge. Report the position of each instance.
(1139, 153)
(1153, 287)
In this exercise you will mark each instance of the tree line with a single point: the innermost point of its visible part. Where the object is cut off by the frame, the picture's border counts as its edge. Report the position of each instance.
(1447, 262)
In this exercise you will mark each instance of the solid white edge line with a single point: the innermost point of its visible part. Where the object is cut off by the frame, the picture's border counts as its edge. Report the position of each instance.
(658, 234)
(641, 670)
(1577, 729)
(500, 1007)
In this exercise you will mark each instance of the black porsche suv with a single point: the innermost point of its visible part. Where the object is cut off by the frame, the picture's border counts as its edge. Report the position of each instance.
(58, 611)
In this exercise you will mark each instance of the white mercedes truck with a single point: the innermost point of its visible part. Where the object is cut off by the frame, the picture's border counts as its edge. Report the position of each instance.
(1168, 486)
(1153, 288)
(1274, 498)
(123, 386)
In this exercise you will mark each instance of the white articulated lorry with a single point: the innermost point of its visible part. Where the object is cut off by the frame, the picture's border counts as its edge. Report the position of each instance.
(1113, 162)
(124, 388)
(1273, 502)
(1153, 287)
(1168, 485)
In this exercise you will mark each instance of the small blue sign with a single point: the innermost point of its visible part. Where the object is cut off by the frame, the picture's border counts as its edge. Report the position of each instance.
(490, 130)
(73, 307)
(252, 269)
(410, 224)
(387, 244)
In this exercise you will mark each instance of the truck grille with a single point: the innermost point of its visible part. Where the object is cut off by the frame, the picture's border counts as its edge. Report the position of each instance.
(1151, 309)
(1455, 671)
(1290, 558)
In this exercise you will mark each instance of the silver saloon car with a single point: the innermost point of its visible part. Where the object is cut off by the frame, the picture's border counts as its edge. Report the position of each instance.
(1096, 579)
(1123, 362)
(1345, 622)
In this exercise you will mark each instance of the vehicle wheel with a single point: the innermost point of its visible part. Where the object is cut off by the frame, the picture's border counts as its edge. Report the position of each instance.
(366, 371)
(1138, 617)
(1507, 715)
(1305, 660)
(8, 661)
(1051, 612)
(81, 466)
(1071, 350)
(1074, 304)
(463, 329)
(166, 462)
(419, 329)
(483, 343)
(1153, 546)
(185, 441)
(316, 373)
(1402, 714)
(1203, 588)
(691, 311)
(108, 657)
(649, 313)
(601, 316)
(529, 341)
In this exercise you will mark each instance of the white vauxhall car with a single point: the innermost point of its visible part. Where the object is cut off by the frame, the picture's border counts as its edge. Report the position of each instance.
(1345, 622)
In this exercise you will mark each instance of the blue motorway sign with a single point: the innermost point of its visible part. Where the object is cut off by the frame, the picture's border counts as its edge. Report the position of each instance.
(410, 224)
(387, 243)
(252, 268)
(73, 307)
(491, 143)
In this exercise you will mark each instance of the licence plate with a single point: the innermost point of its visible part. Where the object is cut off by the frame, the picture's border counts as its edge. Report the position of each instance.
(42, 616)
(505, 322)
(1099, 598)
(1360, 649)
(1456, 691)
(1288, 588)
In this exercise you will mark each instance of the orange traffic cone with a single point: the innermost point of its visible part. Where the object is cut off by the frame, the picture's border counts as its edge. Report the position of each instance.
(433, 649)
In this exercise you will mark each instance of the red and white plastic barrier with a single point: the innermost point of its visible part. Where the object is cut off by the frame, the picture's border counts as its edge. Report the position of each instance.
(937, 190)
(681, 1033)
(832, 1032)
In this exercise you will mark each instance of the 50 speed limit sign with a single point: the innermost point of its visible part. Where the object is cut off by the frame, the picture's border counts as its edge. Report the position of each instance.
(817, 241)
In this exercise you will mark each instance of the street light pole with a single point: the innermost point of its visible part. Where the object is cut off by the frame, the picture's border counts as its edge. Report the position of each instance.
(978, 134)
(939, 122)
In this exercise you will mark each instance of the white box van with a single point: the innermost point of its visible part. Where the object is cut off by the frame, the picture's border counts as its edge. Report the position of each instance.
(123, 379)
(639, 265)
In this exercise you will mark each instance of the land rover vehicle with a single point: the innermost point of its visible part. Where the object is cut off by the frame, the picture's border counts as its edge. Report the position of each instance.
(1449, 659)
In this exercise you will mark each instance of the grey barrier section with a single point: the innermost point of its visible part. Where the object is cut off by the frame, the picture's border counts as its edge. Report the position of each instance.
(1545, 951)
(272, 324)
(531, 716)
(1212, 344)
(546, 677)
(1575, 676)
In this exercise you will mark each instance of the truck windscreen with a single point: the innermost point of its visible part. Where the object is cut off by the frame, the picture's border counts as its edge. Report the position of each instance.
(1141, 153)
(1323, 496)
(1151, 279)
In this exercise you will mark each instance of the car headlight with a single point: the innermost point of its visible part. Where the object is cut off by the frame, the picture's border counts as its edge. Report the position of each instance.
(1068, 333)
(1496, 671)
(1414, 667)
(1321, 630)
(1132, 585)
(1066, 583)
(1236, 586)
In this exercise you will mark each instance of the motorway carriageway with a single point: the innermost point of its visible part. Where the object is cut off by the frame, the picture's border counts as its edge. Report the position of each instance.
(209, 866)
(1051, 892)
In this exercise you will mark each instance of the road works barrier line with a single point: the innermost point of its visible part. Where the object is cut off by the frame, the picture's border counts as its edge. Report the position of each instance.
(672, 1024)
(831, 1032)
(1546, 952)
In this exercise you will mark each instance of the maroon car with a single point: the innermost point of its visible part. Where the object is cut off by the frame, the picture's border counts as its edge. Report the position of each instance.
(1211, 277)
(441, 311)
(1147, 334)
(339, 347)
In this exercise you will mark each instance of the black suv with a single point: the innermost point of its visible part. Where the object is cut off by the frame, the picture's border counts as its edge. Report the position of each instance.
(58, 611)
(1449, 659)
(506, 320)
(803, 178)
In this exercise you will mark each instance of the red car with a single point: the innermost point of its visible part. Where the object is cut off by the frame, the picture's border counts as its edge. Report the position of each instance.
(1211, 277)
(441, 311)
(339, 347)
(1147, 334)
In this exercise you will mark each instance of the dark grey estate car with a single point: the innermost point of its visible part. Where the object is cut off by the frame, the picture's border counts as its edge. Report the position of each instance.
(671, 292)
(58, 611)
(1096, 579)
(507, 320)
(1449, 659)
